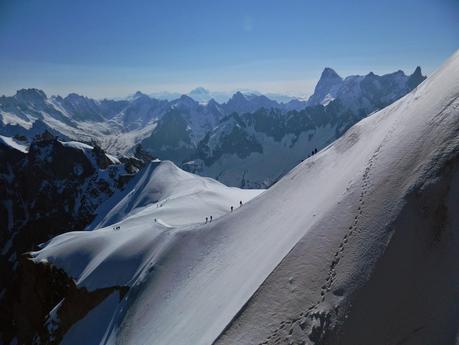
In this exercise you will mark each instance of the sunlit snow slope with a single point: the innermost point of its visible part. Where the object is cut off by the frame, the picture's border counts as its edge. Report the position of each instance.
(172, 196)
(161, 198)
(356, 245)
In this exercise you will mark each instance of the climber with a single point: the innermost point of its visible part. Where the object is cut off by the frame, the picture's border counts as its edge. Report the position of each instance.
(231, 208)
(210, 219)
(207, 219)
(240, 203)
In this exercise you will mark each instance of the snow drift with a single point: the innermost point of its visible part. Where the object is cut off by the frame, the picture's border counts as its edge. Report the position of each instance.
(356, 245)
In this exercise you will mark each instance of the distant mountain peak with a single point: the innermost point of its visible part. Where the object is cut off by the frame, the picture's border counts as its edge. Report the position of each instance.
(238, 95)
(354, 89)
(74, 96)
(326, 87)
(416, 78)
(330, 73)
(31, 95)
(186, 98)
(139, 94)
(185, 101)
(417, 71)
(199, 90)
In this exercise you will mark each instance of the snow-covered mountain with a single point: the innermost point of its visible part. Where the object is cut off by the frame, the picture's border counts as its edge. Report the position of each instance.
(240, 103)
(256, 149)
(117, 125)
(327, 88)
(362, 94)
(252, 141)
(203, 95)
(355, 245)
(200, 136)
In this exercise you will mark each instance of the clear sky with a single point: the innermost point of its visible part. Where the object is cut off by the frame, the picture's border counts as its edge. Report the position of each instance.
(113, 48)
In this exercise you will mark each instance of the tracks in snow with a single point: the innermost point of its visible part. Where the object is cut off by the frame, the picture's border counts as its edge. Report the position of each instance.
(310, 325)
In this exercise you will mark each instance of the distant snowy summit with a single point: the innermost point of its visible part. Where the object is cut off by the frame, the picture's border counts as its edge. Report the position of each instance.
(359, 92)
(203, 95)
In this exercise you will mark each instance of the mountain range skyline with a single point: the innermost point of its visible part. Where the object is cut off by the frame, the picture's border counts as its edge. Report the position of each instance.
(203, 94)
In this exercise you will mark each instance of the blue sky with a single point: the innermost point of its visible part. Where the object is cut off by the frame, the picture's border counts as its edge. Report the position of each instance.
(113, 48)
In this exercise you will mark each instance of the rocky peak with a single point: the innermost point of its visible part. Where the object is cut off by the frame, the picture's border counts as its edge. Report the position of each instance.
(33, 96)
(416, 78)
(326, 87)
(237, 97)
(75, 98)
(46, 136)
(330, 74)
(139, 94)
(143, 155)
(185, 101)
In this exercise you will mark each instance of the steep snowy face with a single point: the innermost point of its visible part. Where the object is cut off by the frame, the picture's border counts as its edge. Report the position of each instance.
(389, 226)
(334, 252)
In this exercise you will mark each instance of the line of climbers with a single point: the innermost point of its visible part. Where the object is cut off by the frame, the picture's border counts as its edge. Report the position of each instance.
(313, 152)
(209, 219)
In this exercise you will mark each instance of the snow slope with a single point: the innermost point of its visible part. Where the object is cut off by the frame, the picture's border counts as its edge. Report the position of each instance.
(174, 197)
(159, 199)
(377, 265)
(286, 266)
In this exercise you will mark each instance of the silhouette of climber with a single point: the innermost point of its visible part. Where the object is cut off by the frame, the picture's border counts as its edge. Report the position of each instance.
(240, 203)
(206, 219)
(315, 150)
(210, 219)
(231, 208)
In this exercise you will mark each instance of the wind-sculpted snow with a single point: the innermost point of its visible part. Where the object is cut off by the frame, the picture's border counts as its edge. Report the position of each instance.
(287, 266)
